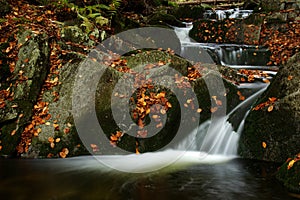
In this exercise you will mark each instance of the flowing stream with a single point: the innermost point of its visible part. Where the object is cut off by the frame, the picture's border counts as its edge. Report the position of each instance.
(207, 169)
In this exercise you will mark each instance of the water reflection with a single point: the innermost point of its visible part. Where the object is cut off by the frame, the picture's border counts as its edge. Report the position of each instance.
(72, 179)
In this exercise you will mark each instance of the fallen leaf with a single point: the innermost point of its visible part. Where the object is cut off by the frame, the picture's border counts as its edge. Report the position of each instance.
(214, 109)
(51, 139)
(199, 110)
(62, 155)
(264, 145)
(291, 164)
(270, 108)
(13, 132)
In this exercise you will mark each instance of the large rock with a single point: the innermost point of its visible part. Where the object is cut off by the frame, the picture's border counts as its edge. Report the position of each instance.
(271, 133)
(288, 174)
(28, 77)
(58, 120)
(76, 111)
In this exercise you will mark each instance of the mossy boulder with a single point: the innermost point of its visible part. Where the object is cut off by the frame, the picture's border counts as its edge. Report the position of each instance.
(289, 174)
(272, 131)
(73, 34)
(59, 126)
(111, 114)
(188, 12)
(204, 88)
(82, 103)
(26, 82)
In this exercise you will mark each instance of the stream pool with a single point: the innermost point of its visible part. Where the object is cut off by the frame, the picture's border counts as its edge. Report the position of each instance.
(84, 178)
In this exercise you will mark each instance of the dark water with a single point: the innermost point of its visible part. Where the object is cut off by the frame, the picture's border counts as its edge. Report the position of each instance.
(83, 178)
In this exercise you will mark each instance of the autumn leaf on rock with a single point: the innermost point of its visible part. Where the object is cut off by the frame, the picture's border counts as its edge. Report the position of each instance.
(270, 104)
(291, 164)
(264, 145)
(64, 152)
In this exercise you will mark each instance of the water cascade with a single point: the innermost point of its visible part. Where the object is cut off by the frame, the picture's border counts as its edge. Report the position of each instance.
(218, 136)
(235, 13)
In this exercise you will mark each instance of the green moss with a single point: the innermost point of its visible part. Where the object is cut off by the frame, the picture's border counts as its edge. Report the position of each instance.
(187, 11)
(290, 177)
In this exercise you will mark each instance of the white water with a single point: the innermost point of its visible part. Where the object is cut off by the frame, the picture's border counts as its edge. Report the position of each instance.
(223, 14)
(217, 137)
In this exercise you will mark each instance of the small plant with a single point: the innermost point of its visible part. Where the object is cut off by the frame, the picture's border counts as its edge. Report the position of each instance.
(98, 14)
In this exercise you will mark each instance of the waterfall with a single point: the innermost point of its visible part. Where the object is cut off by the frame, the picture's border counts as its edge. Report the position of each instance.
(230, 13)
(217, 136)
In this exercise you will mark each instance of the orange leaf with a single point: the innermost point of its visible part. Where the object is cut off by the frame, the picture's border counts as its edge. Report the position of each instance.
(62, 155)
(13, 132)
(264, 145)
(270, 108)
(50, 139)
(169, 105)
(214, 109)
(219, 102)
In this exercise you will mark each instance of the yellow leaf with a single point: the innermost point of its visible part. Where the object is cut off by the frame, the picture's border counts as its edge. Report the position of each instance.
(264, 145)
(155, 116)
(148, 111)
(199, 110)
(291, 164)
